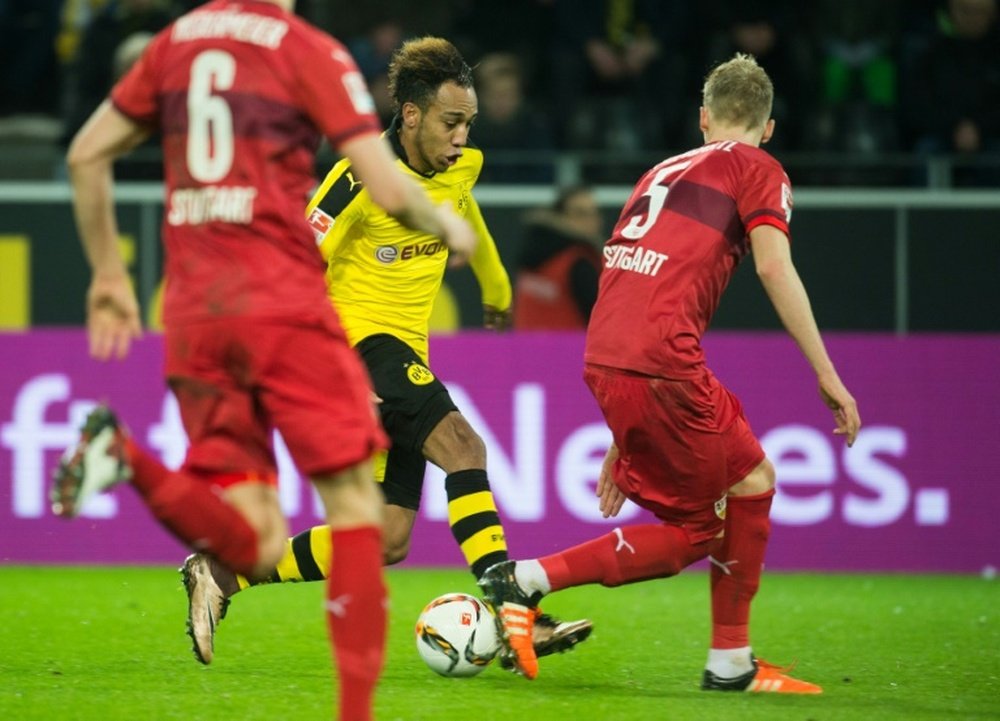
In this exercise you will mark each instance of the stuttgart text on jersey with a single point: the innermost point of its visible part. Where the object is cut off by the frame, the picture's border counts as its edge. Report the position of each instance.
(633, 258)
(212, 204)
(218, 203)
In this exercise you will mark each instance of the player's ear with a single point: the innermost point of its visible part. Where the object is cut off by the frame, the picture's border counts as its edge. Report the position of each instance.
(703, 119)
(768, 131)
(411, 115)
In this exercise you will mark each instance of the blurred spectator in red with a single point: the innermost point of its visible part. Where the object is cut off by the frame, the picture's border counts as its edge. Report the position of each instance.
(952, 90)
(559, 264)
(508, 122)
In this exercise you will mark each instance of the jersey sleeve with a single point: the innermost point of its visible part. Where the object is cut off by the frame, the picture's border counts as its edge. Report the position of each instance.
(332, 208)
(765, 197)
(333, 92)
(486, 265)
(137, 94)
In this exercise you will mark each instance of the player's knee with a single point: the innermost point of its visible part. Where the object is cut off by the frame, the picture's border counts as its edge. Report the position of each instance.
(455, 446)
(395, 549)
(760, 480)
(270, 550)
(469, 443)
(767, 480)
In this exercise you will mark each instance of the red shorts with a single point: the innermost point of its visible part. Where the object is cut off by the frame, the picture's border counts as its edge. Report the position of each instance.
(237, 379)
(682, 444)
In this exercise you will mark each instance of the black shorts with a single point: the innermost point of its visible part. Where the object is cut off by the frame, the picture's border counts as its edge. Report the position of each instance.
(414, 401)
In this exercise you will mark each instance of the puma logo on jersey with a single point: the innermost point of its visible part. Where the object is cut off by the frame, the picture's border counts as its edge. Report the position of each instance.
(350, 179)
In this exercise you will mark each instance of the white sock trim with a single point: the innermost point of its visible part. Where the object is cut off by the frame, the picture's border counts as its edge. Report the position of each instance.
(729, 662)
(531, 577)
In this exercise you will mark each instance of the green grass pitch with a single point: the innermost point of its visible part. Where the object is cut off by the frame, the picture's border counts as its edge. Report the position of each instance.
(108, 643)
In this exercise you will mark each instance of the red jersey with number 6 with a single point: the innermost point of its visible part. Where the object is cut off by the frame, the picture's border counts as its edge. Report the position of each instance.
(241, 92)
(673, 251)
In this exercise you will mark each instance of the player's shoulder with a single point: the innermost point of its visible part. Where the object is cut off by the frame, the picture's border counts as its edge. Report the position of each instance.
(307, 39)
(758, 158)
(338, 190)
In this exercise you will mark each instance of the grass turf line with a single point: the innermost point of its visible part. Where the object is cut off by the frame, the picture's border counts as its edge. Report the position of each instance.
(100, 643)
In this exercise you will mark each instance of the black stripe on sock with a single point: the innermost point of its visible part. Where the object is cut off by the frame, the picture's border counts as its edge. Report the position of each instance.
(469, 526)
(464, 483)
(302, 550)
(479, 567)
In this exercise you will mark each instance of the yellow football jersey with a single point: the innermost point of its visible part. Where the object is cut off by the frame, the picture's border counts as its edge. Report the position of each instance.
(383, 276)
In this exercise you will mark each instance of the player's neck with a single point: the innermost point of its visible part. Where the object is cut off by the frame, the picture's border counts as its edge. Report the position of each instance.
(718, 135)
(408, 142)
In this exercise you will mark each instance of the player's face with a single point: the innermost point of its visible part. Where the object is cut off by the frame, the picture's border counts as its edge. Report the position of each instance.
(443, 129)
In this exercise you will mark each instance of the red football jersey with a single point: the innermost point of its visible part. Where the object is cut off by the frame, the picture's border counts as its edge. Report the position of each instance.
(241, 92)
(673, 251)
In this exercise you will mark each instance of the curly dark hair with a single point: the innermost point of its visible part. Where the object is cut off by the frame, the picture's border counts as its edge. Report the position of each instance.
(421, 66)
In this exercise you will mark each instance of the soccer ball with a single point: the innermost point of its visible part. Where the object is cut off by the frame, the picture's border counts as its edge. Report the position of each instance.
(457, 635)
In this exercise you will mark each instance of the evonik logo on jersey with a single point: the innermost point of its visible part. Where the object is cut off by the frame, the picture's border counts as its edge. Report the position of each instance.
(389, 253)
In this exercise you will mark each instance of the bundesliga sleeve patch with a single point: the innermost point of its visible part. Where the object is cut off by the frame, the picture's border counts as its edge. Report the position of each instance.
(357, 91)
(320, 223)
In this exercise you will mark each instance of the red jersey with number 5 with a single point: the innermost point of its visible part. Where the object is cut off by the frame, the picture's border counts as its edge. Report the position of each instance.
(673, 251)
(241, 92)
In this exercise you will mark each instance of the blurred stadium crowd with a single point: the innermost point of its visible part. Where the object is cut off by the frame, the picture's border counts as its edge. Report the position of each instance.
(886, 84)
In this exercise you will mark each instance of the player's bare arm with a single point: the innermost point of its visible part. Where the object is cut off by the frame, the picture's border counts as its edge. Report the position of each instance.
(112, 308)
(373, 163)
(773, 262)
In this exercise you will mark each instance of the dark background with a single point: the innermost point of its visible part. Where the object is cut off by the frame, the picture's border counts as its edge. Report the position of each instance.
(846, 257)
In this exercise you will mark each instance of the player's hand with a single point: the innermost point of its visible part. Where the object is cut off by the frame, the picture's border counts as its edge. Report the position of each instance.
(112, 316)
(494, 319)
(611, 497)
(845, 409)
(457, 234)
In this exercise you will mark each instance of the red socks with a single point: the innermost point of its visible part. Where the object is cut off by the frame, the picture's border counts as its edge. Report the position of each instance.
(356, 616)
(638, 553)
(356, 593)
(736, 568)
(626, 555)
(193, 512)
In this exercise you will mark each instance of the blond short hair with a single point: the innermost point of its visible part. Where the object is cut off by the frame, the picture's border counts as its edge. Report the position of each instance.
(739, 93)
